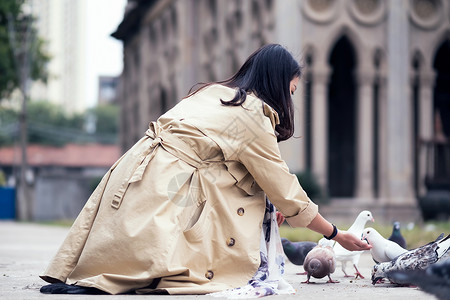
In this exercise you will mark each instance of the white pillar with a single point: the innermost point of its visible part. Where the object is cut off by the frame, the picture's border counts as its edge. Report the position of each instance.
(320, 125)
(188, 68)
(288, 20)
(399, 143)
(426, 80)
(364, 178)
(383, 145)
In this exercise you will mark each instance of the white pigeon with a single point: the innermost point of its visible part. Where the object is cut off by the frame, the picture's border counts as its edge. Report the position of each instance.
(417, 259)
(383, 250)
(343, 255)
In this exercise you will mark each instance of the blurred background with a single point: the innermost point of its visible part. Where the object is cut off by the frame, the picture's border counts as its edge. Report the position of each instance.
(80, 81)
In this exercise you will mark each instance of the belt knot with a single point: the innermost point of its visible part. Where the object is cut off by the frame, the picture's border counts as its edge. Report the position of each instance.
(156, 141)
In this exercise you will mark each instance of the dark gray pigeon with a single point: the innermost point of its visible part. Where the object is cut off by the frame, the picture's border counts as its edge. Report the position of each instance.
(417, 259)
(297, 251)
(396, 235)
(320, 262)
(434, 280)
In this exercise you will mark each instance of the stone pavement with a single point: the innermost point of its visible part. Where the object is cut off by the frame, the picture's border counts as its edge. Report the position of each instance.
(26, 248)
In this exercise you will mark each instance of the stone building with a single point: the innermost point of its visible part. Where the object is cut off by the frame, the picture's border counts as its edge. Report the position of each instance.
(373, 116)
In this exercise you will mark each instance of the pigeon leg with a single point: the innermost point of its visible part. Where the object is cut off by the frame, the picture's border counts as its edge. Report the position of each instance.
(346, 275)
(331, 280)
(357, 273)
(307, 280)
(344, 263)
(302, 273)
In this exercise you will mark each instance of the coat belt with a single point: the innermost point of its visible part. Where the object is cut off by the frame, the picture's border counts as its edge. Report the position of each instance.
(168, 142)
(174, 146)
(184, 152)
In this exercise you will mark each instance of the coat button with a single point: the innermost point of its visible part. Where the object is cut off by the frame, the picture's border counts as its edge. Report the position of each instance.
(209, 274)
(240, 211)
(231, 242)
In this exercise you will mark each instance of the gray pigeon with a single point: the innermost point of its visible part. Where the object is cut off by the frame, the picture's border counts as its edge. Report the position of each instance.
(434, 280)
(417, 259)
(320, 262)
(297, 251)
(396, 235)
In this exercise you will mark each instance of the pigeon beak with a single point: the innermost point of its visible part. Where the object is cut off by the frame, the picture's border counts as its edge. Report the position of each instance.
(364, 238)
(373, 220)
(375, 280)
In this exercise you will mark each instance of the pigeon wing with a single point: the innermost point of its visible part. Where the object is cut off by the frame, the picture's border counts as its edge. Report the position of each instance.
(392, 250)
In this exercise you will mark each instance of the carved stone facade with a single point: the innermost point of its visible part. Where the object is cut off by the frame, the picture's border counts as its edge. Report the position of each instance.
(373, 70)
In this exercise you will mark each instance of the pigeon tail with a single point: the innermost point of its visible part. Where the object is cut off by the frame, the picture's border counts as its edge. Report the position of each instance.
(315, 267)
(443, 246)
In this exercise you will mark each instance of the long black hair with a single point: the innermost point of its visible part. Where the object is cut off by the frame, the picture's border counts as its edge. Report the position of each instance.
(267, 73)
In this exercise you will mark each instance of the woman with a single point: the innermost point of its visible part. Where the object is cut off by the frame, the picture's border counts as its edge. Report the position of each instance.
(182, 211)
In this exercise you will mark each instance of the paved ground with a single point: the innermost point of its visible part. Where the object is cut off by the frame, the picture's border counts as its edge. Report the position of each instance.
(25, 250)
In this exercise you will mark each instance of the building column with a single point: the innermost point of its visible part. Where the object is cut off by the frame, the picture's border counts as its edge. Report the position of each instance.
(287, 20)
(399, 144)
(320, 78)
(188, 28)
(426, 80)
(364, 178)
(383, 145)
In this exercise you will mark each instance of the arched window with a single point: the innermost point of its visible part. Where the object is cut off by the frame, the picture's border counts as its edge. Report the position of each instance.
(342, 120)
(308, 95)
(441, 64)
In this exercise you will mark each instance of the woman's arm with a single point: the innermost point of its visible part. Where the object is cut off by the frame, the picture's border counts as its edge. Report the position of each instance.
(347, 240)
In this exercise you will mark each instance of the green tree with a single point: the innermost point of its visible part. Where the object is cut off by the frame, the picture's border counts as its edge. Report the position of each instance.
(9, 125)
(107, 122)
(12, 11)
(49, 124)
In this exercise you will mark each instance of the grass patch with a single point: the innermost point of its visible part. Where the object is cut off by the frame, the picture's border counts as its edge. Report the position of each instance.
(415, 236)
(61, 223)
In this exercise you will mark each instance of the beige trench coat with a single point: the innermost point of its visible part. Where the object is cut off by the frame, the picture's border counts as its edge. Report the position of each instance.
(182, 210)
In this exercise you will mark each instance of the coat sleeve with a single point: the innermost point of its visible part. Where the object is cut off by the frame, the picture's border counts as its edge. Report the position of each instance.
(261, 156)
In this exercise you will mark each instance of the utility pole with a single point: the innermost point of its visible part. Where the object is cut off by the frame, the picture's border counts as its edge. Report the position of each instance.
(21, 38)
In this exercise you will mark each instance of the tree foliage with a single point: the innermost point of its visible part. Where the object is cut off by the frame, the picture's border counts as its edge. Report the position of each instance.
(8, 125)
(107, 118)
(12, 10)
(48, 124)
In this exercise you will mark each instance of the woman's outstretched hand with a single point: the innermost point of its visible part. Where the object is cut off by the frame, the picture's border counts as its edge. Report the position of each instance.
(350, 242)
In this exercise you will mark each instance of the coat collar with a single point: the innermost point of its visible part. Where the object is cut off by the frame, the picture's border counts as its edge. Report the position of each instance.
(267, 109)
(271, 114)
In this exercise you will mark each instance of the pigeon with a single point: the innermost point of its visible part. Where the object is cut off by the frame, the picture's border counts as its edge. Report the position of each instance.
(383, 250)
(320, 262)
(416, 259)
(396, 235)
(297, 251)
(343, 255)
(434, 280)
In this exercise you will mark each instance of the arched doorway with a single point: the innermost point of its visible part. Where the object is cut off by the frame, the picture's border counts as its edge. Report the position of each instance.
(441, 110)
(342, 120)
